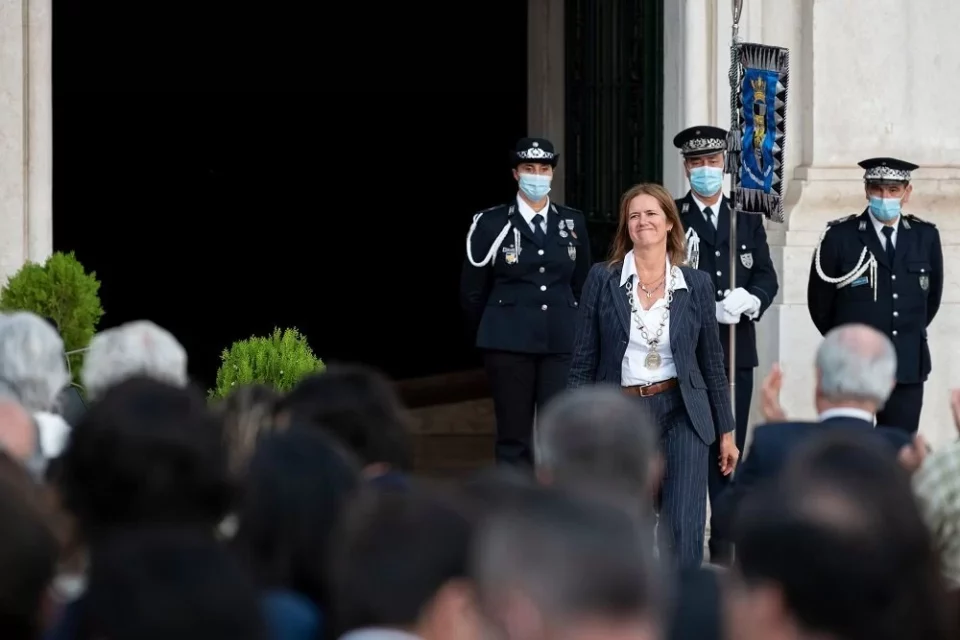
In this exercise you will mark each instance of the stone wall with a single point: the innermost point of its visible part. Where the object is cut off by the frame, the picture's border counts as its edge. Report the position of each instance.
(26, 129)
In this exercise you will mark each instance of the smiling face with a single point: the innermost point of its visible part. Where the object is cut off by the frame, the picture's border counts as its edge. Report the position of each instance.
(647, 222)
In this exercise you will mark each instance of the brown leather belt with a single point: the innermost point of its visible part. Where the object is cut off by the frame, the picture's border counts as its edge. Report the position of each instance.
(647, 390)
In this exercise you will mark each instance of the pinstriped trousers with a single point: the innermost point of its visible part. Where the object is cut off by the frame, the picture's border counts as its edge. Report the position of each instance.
(683, 491)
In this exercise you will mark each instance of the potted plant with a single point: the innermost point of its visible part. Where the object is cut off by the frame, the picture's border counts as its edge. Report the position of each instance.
(280, 360)
(64, 293)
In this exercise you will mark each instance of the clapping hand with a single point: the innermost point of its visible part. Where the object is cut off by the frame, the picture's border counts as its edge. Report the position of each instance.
(770, 395)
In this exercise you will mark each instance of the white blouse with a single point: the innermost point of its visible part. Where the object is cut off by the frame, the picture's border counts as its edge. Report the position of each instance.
(634, 371)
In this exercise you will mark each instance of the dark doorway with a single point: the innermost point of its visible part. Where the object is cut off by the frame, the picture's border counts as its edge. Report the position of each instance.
(614, 106)
(225, 171)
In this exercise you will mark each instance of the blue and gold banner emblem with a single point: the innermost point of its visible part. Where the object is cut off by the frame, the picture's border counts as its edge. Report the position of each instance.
(757, 142)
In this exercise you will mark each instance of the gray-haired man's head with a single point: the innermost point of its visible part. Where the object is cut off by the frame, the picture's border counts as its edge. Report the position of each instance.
(596, 437)
(561, 566)
(139, 348)
(33, 369)
(856, 366)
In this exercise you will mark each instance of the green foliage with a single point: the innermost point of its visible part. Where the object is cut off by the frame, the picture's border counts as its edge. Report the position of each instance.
(280, 360)
(61, 290)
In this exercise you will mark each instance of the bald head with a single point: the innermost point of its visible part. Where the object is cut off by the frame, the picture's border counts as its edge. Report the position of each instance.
(856, 363)
(18, 437)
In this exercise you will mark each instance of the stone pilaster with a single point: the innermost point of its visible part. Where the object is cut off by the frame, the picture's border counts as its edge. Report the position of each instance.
(26, 127)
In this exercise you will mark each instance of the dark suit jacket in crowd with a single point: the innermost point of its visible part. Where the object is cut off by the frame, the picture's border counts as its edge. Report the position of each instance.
(603, 332)
(772, 446)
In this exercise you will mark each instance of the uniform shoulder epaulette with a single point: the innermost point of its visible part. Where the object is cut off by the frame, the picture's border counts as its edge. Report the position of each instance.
(493, 208)
(489, 212)
(834, 223)
(913, 218)
(563, 207)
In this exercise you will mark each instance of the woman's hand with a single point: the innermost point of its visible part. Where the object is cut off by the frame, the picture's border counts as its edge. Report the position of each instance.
(729, 455)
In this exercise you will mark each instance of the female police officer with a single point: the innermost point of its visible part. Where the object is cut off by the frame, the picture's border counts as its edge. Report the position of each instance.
(526, 264)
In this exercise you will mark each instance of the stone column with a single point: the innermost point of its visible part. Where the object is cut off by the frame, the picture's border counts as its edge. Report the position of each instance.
(545, 79)
(853, 97)
(26, 125)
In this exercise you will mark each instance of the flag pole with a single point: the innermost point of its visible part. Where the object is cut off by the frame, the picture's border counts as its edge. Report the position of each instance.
(733, 165)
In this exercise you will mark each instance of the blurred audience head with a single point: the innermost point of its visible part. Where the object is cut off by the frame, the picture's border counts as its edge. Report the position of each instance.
(165, 584)
(18, 433)
(145, 454)
(836, 549)
(597, 438)
(856, 367)
(139, 348)
(560, 567)
(247, 414)
(359, 407)
(400, 563)
(28, 554)
(33, 369)
(297, 484)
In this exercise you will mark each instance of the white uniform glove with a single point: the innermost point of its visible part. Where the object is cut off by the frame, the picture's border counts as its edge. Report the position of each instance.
(740, 301)
(725, 318)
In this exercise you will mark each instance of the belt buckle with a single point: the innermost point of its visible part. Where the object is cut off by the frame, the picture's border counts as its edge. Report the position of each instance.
(647, 390)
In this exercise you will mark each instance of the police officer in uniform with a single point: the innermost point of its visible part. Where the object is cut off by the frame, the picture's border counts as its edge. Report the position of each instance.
(526, 264)
(705, 213)
(883, 268)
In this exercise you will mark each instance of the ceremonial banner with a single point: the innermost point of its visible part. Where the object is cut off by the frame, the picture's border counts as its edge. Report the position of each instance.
(756, 143)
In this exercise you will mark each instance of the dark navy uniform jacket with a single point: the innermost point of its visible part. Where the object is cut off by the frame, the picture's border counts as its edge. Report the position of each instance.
(908, 291)
(755, 271)
(526, 299)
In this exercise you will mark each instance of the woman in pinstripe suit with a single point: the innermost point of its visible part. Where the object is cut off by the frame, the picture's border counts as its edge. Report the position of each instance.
(648, 324)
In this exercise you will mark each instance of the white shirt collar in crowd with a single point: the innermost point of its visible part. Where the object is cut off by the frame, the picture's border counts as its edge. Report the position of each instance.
(846, 412)
(377, 633)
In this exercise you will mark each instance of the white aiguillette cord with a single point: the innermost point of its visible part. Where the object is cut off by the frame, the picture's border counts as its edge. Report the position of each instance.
(492, 254)
(693, 248)
(863, 264)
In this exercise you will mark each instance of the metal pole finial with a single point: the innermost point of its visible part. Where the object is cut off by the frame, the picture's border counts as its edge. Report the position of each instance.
(737, 6)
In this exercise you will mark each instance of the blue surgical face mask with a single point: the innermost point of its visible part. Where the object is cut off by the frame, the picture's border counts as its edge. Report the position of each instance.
(884, 209)
(706, 181)
(535, 186)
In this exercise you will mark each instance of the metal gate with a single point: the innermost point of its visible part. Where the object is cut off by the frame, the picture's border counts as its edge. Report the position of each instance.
(614, 106)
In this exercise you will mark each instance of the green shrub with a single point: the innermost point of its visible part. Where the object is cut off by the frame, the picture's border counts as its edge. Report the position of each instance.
(280, 360)
(61, 290)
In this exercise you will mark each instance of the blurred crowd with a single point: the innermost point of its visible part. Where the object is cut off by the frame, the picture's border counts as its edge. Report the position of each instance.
(143, 512)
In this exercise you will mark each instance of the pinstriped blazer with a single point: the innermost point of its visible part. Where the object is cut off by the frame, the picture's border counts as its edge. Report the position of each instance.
(603, 332)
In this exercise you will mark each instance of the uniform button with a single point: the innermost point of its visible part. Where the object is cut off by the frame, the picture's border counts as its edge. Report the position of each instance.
(543, 307)
(543, 287)
(894, 332)
(742, 247)
(894, 296)
(895, 314)
(542, 269)
(540, 252)
(921, 270)
(719, 273)
(718, 254)
(893, 277)
(719, 293)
